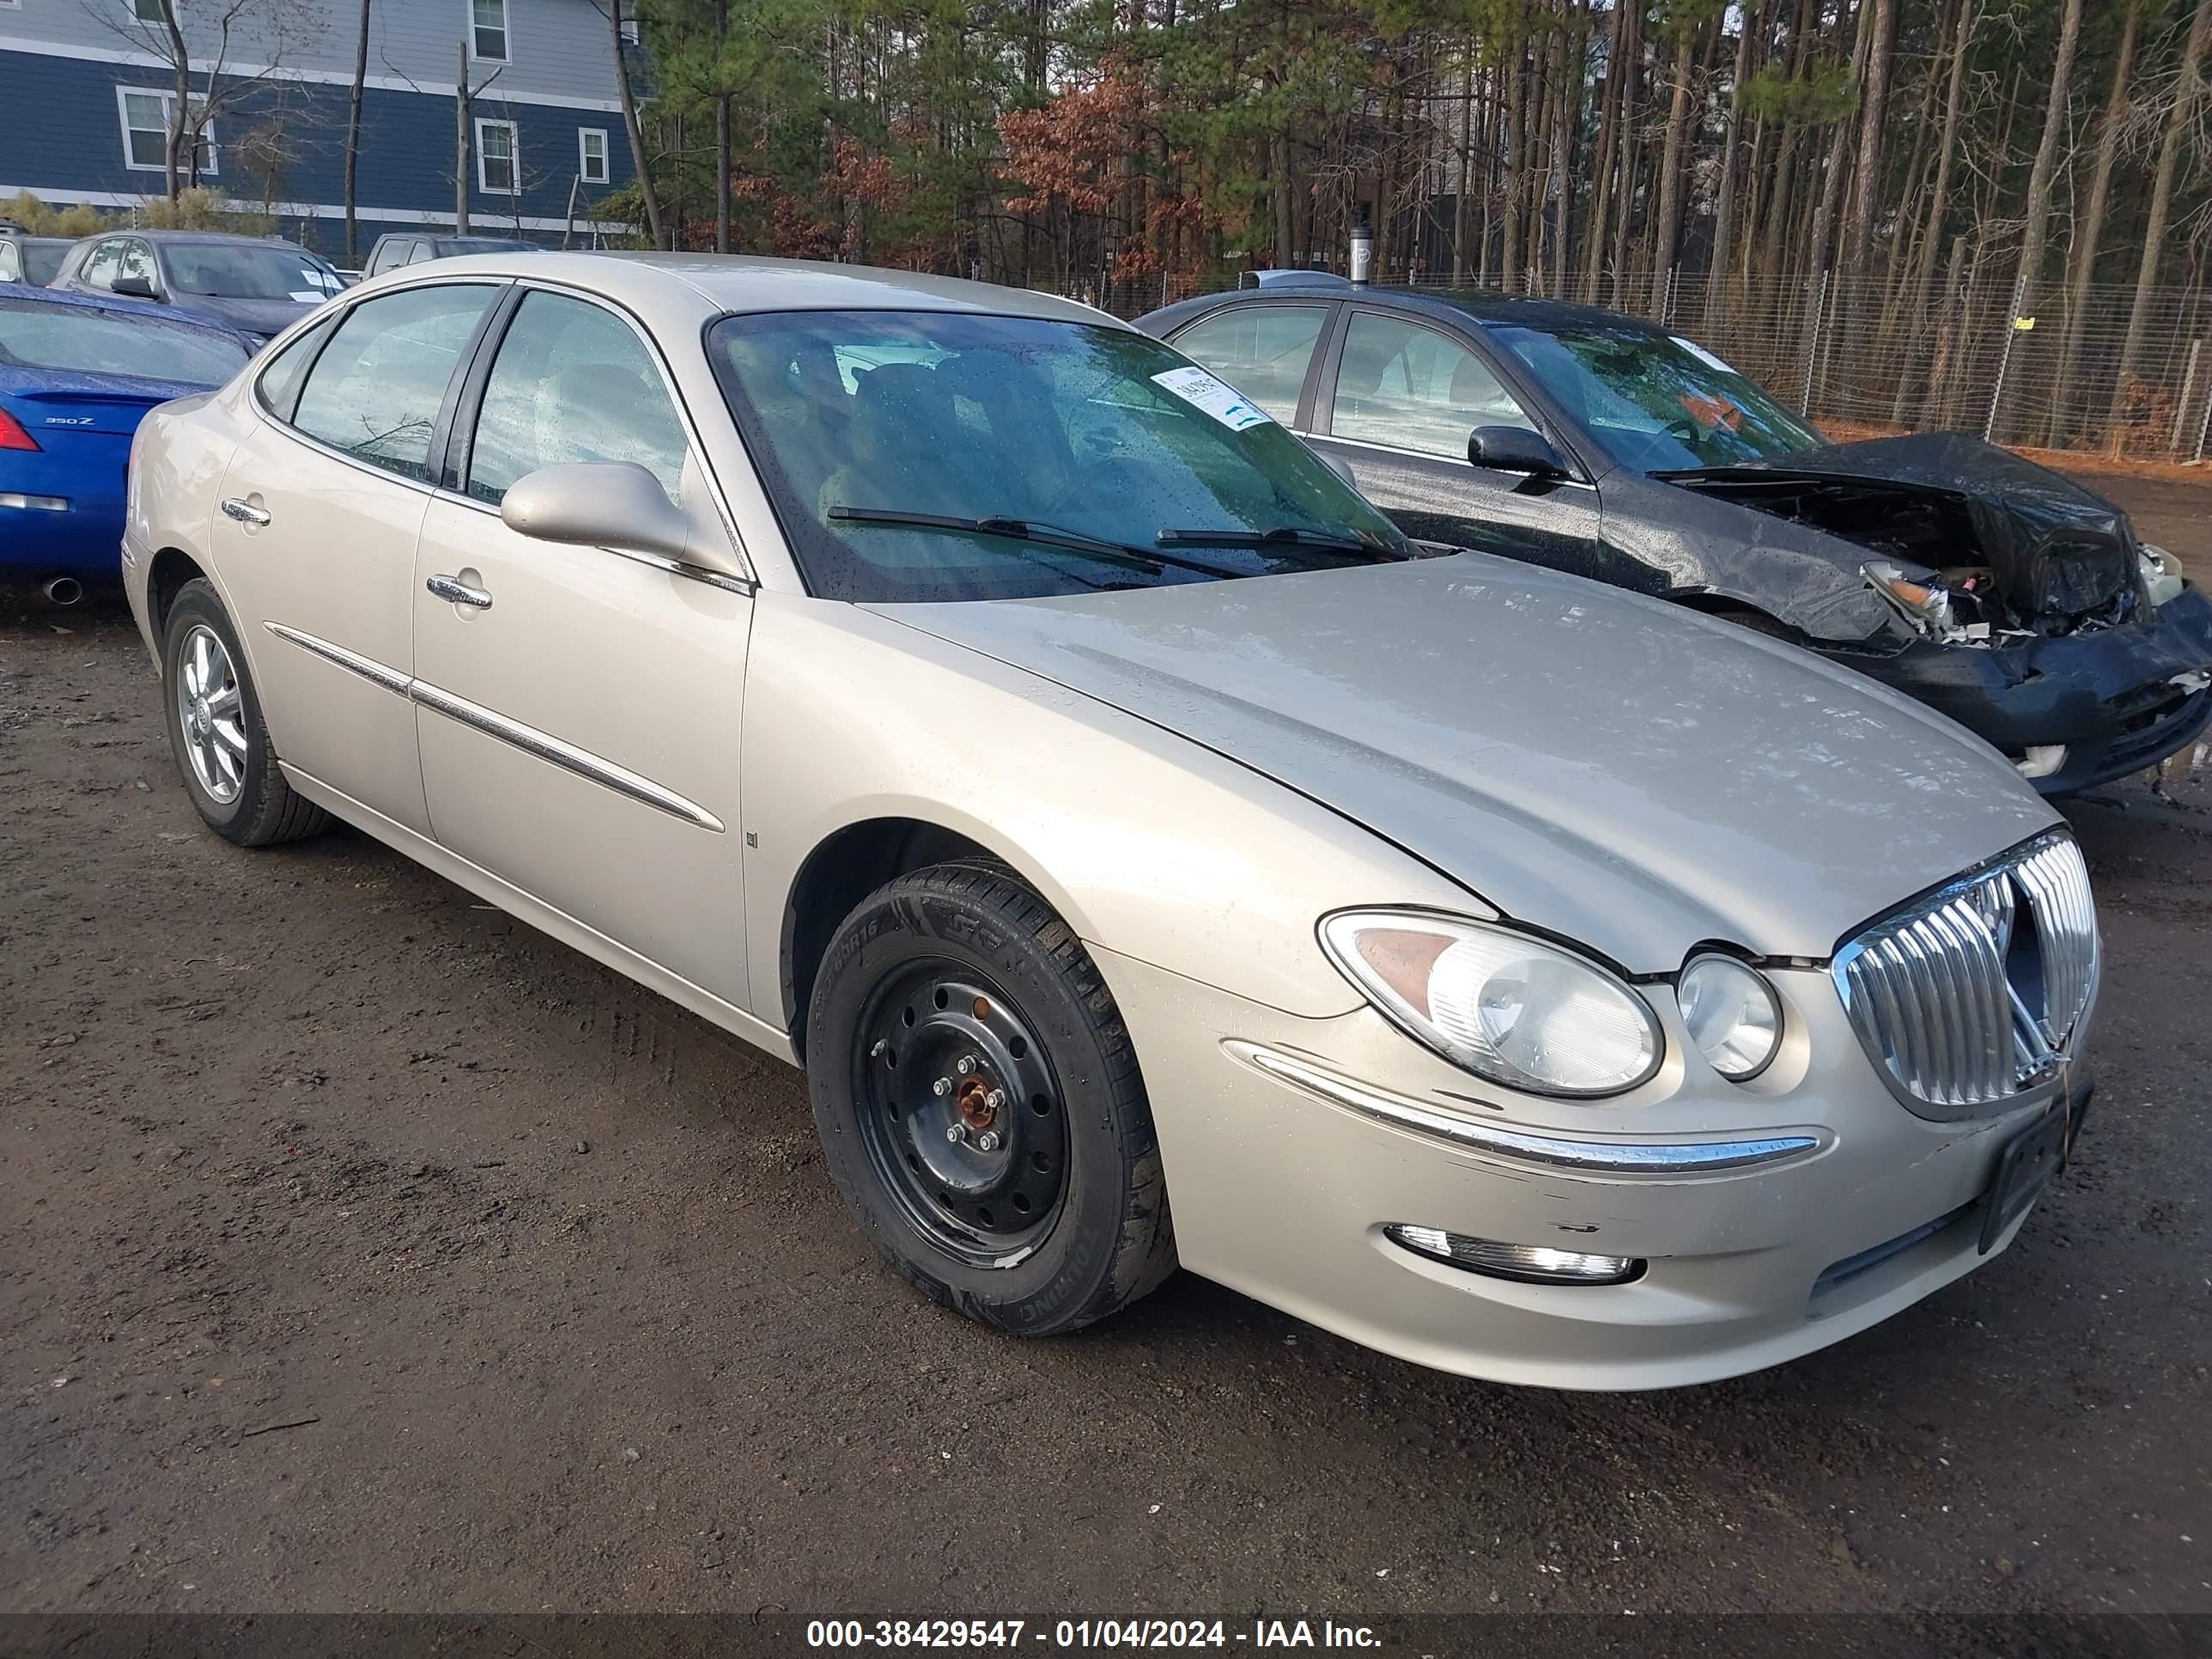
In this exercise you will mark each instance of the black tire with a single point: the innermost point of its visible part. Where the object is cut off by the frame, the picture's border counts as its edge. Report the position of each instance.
(1048, 1035)
(263, 809)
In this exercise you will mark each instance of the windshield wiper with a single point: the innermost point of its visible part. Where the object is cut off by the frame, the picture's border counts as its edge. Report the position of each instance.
(1044, 535)
(1281, 536)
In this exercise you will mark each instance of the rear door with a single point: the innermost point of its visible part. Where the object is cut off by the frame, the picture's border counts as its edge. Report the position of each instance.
(1398, 402)
(579, 710)
(315, 534)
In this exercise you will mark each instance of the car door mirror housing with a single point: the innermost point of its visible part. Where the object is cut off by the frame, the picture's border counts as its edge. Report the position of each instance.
(1337, 465)
(614, 504)
(1515, 449)
(136, 288)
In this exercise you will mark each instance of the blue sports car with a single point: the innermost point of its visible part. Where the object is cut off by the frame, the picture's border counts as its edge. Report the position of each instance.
(77, 372)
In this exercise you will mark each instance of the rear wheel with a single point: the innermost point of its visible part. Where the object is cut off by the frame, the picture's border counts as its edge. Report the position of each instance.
(979, 1104)
(215, 729)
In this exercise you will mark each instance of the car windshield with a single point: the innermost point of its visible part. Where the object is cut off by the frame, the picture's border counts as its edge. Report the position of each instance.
(226, 271)
(41, 261)
(90, 341)
(943, 455)
(1657, 402)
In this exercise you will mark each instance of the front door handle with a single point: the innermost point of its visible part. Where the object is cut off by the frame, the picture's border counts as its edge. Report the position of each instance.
(451, 587)
(244, 512)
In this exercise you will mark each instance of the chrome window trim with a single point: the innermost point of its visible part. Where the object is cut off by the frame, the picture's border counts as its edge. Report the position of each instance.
(528, 738)
(1430, 455)
(1631, 1159)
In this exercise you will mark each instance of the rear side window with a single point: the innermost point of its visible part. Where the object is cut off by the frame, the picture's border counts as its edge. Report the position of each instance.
(1261, 350)
(279, 382)
(572, 382)
(375, 391)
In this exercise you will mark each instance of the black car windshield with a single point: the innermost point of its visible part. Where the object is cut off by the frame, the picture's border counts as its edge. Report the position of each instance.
(944, 455)
(41, 261)
(36, 334)
(222, 270)
(1657, 402)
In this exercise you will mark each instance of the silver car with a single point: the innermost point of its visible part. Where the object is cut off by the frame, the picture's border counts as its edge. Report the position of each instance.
(967, 698)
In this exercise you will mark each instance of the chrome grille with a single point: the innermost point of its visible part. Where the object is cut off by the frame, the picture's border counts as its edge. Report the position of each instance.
(1977, 991)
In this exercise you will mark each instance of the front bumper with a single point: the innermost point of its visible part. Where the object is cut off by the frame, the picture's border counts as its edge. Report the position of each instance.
(1282, 1191)
(2114, 697)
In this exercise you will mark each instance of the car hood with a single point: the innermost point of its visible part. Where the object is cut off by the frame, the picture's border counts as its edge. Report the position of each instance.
(259, 317)
(2057, 552)
(1588, 761)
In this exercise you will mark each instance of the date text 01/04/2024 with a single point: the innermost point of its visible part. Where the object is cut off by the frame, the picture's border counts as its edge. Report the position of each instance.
(1085, 1633)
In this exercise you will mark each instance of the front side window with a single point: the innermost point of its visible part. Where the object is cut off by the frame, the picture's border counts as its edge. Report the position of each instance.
(1263, 351)
(487, 29)
(1100, 434)
(137, 261)
(98, 270)
(147, 118)
(1655, 402)
(1411, 387)
(375, 391)
(591, 160)
(495, 167)
(572, 382)
(90, 340)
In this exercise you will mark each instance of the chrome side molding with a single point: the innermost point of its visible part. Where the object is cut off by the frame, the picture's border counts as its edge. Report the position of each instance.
(493, 723)
(1652, 1158)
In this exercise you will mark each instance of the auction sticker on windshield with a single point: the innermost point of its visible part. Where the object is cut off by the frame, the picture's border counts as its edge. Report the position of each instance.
(1224, 403)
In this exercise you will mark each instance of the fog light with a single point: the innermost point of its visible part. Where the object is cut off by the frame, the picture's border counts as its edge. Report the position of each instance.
(1532, 1262)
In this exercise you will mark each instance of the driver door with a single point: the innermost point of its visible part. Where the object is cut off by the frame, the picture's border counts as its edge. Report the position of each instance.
(1398, 403)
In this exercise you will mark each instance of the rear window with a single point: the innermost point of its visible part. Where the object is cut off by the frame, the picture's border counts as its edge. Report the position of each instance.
(42, 261)
(87, 341)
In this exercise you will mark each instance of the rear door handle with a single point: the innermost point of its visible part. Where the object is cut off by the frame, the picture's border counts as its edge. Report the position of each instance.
(452, 587)
(244, 512)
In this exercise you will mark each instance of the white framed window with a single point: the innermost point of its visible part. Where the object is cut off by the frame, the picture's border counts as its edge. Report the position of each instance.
(498, 171)
(488, 30)
(146, 11)
(630, 32)
(591, 155)
(146, 115)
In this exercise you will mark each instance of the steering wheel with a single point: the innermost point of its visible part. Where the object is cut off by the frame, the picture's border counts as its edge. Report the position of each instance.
(1686, 430)
(1100, 482)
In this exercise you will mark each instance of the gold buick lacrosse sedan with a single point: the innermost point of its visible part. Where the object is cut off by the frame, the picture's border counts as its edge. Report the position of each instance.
(966, 697)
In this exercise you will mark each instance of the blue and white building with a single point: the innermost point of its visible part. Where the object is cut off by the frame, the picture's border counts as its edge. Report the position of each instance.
(87, 88)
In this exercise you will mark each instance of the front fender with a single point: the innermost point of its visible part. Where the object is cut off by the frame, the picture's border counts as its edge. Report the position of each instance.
(1144, 842)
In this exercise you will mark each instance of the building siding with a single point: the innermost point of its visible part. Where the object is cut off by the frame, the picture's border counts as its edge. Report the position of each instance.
(558, 49)
(61, 138)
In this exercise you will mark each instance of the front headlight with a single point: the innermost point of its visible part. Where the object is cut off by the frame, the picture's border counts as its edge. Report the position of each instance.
(1732, 1015)
(1512, 1009)
(2162, 575)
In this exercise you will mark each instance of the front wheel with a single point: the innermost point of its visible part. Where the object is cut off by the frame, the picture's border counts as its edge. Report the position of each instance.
(980, 1105)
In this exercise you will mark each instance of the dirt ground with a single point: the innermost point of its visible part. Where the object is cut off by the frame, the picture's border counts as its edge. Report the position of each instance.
(361, 1248)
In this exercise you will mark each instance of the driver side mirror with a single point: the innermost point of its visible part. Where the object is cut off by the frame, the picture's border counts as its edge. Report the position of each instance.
(614, 504)
(136, 288)
(1515, 449)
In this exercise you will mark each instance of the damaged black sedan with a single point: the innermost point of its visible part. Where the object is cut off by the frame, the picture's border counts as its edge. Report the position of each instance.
(2004, 594)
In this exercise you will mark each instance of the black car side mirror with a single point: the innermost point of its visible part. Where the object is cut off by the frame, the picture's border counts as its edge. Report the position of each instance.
(136, 288)
(1515, 449)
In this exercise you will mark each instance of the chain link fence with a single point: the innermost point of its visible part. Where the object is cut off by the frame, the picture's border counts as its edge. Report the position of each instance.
(1870, 357)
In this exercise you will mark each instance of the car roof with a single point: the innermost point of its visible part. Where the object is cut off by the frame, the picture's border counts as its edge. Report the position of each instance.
(184, 238)
(1483, 307)
(734, 282)
(63, 296)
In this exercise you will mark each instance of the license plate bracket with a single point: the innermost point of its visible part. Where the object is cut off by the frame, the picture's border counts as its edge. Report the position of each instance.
(2025, 1168)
